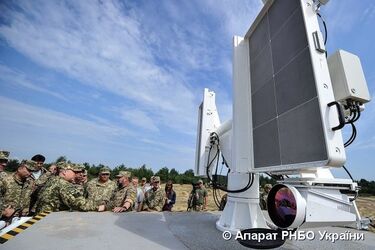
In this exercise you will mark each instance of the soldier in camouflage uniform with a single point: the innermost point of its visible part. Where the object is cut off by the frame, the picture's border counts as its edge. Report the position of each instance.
(3, 163)
(84, 177)
(263, 196)
(200, 196)
(100, 190)
(125, 196)
(154, 197)
(15, 190)
(60, 194)
(78, 180)
(53, 169)
(41, 174)
(39, 177)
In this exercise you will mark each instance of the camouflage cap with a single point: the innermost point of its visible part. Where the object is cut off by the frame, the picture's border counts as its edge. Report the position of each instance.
(124, 174)
(65, 166)
(269, 186)
(144, 179)
(156, 179)
(200, 181)
(30, 165)
(78, 167)
(105, 170)
(4, 155)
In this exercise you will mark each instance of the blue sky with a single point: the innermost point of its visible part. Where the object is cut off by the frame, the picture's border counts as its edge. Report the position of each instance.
(120, 81)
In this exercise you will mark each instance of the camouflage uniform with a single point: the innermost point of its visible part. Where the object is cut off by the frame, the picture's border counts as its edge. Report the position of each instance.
(154, 199)
(3, 175)
(200, 193)
(98, 192)
(37, 186)
(79, 186)
(263, 196)
(4, 157)
(59, 194)
(123, 194)
(15, 193)
(43, 177)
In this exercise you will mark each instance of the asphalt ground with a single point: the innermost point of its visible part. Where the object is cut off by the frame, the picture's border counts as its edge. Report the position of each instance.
(177, 230)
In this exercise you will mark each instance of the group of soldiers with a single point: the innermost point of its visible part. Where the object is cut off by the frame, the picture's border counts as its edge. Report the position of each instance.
(64, 186)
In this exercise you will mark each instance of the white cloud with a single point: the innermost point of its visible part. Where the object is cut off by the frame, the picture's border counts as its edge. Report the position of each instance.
(148, 57)
(12, 76)
(100, 46)
(26, 129)
(343, 16)
(47, 121)
(139, 118)
(169, 146)
(120, 49)
(237, 15)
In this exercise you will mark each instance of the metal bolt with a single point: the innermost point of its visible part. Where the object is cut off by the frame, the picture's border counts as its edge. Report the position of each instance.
(353, 90)
(325, 86)
(337, 150)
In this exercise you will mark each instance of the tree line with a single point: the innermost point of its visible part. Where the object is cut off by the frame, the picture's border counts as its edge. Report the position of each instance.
(165, 173)
(187, 177)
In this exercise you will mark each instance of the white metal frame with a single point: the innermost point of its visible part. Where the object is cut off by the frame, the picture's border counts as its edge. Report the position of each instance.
(208, 122)
(333, 139)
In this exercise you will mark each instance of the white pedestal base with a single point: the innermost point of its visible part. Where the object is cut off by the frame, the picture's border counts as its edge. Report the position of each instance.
(239, 214)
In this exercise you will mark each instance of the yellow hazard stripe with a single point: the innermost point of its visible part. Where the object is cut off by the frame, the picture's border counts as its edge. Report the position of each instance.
(18, 230)
(9, 235)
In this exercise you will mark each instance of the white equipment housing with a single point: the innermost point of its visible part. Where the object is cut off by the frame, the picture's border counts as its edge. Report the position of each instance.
(321, 199)
(347, 77)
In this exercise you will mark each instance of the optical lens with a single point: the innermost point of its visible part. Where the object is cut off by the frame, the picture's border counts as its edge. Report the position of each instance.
(282, 207)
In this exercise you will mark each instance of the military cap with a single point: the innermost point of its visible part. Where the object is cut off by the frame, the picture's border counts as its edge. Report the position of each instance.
(60, 164)
(65, 166)
(30, 165)
(124, 174)
(78, 167)
(4, 155)
(200, 181)
(144, 179)
(105, 170)
(267, 186)
(38, 158)
(155, 179)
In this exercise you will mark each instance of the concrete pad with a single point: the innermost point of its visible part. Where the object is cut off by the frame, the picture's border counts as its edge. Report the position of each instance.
(177, 230)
